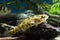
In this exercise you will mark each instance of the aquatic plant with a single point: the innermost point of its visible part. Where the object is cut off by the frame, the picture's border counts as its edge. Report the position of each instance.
(30, 5)
(55, 1)
(54, 14)
(5, 11)
(55, 9)
(53, 19)
(45, 6)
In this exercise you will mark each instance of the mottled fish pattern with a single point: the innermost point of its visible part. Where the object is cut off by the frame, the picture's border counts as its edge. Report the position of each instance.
(28, 23)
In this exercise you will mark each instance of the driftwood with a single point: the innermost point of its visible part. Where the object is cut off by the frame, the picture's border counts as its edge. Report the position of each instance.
(43, 31)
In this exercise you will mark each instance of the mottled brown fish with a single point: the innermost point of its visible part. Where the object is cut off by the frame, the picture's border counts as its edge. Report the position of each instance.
(28, 23)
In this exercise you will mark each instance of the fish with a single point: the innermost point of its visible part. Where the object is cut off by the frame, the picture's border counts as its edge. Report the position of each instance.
(28, 23)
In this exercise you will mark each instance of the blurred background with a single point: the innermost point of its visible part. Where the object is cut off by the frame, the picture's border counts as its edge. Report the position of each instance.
(13, 12)
(20, 5)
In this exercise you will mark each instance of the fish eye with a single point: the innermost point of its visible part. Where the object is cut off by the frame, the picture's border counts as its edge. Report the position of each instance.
(42, 16)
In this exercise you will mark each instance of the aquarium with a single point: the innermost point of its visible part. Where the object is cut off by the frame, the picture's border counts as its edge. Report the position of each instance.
(29, 19)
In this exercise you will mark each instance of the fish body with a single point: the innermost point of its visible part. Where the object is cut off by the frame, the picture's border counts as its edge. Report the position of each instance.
(28, 23)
